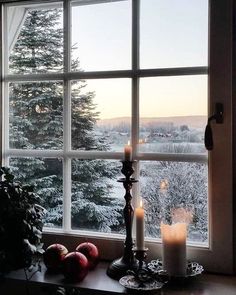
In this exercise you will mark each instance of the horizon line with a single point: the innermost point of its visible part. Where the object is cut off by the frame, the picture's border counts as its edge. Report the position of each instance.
(164, 117)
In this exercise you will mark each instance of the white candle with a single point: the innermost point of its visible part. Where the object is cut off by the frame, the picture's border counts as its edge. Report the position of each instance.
(174, 248)
(128, 152)
(139, 213)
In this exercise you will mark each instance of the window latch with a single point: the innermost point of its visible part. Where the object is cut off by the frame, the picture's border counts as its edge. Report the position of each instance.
(218, 117)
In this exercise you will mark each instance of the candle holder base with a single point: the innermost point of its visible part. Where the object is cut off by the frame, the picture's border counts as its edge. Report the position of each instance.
(143, 278)
(140, 255)
(119, 267)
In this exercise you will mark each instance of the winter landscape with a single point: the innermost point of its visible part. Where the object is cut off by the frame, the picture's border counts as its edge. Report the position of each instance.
(36, 122)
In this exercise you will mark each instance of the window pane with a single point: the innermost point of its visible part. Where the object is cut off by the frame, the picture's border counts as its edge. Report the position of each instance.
(173, 33)
(45, 174)
(35, 39)
(173, 114)
(36, 115)
(97, 198)
(101, 36)
(101, 114)
(186, 188)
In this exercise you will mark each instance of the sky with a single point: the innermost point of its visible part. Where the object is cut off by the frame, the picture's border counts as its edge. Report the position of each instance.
(173, 33)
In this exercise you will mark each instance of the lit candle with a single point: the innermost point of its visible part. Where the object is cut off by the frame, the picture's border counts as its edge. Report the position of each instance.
(139, 213)
(174, 248)
(163, 186)
(128, 152)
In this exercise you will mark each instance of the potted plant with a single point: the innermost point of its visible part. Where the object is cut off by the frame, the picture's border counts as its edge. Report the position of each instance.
(21, 223)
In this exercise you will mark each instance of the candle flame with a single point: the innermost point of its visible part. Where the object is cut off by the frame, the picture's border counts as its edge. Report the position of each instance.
(141, 203)
(174, 233)
(141, 141)
(164, 184)
(128, 142)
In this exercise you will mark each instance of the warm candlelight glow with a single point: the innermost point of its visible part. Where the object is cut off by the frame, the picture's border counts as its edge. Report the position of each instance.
(174, 248)
(141, 141)
(174, 233)
(141, 203)
(164, 185)
(128, 152)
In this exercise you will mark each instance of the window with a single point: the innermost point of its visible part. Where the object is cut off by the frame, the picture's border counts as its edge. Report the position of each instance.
(81, 78)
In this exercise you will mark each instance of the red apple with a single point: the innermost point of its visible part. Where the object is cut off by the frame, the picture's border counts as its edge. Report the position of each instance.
(75, 266)
(91, 252)
(53, 257)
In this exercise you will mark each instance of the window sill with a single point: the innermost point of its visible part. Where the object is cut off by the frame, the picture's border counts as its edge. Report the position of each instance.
(97, 282)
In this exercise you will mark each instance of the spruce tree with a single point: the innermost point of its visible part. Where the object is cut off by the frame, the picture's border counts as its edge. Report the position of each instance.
(36, 122)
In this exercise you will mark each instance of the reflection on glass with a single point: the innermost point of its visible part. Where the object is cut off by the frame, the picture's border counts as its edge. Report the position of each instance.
(186, 189)
(35, 40)
(36, 115)
(97, 198)
(173, 33)
(173, 114)
(45, 174)
(101, 114)
(101, 35)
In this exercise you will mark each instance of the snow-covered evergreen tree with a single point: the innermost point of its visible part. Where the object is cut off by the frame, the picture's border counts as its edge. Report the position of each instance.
(36, 122)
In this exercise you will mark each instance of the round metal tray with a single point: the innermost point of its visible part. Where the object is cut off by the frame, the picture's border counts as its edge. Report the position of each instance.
(130, 282)
(193, 268)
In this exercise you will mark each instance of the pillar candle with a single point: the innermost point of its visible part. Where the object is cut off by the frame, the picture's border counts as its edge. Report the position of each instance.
(174, 248)
(128, 152)
(139, 213)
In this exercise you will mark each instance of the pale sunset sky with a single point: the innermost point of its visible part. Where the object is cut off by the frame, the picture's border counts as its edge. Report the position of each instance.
(173, 33)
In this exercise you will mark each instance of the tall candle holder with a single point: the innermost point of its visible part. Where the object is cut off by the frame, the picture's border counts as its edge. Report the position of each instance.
(119, 267)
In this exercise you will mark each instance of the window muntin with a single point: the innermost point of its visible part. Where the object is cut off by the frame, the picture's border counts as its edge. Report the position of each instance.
(66, 153)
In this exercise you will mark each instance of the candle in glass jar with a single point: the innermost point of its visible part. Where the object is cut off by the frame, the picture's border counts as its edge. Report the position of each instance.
(128, 152)
(174, 248)
(139, 213)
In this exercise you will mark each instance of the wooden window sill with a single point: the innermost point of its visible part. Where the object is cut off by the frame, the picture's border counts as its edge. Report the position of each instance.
(97, 282)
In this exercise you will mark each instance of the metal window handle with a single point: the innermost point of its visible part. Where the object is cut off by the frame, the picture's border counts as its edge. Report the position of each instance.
(218, 117)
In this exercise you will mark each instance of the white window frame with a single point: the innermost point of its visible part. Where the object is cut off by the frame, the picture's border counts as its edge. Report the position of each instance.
(219, 160)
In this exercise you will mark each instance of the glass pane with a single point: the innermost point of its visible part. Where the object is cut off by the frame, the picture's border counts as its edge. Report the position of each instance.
(173, 33)
(186, 187)
(101, 35)
(97, 198)
(101, 114)
(35, 39)
(36, 115)
(173, 114)
(45, 174)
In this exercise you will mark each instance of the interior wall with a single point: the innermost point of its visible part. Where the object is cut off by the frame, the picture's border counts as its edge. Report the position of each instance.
(234, 128)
